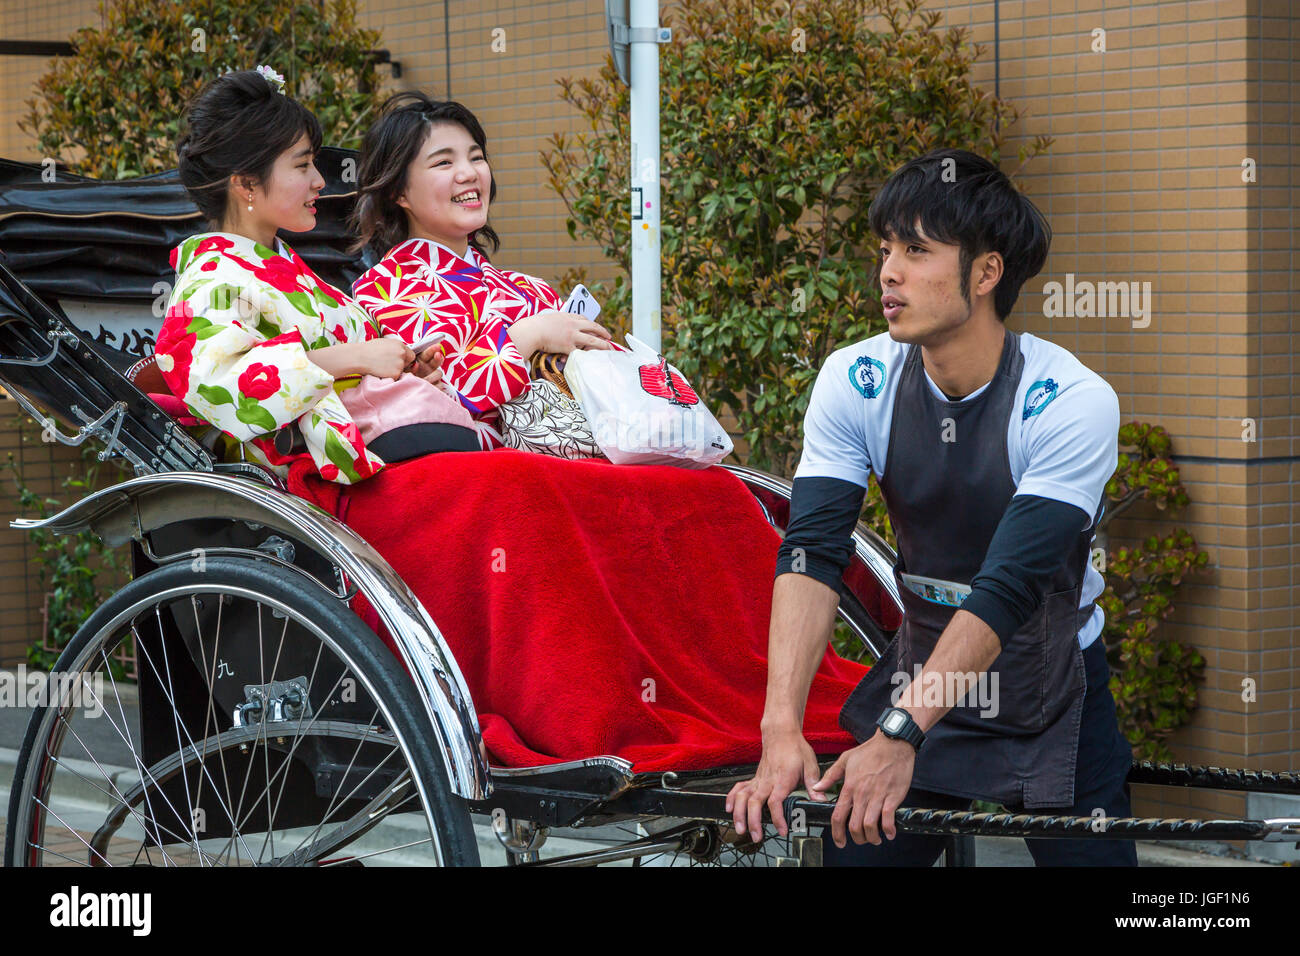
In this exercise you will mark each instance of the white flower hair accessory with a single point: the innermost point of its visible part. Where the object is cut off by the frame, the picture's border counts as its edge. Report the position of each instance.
(272, 77)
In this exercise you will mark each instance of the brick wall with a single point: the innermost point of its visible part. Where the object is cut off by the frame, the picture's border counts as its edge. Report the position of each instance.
(43, 467)
(47, 21)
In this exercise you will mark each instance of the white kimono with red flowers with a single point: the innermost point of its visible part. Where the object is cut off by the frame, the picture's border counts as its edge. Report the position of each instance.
(234, 345)
(422, 286)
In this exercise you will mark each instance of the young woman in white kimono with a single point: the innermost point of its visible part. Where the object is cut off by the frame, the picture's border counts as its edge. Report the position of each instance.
(253, 341)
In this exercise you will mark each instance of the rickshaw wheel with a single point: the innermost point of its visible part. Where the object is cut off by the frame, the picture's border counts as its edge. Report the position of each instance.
(272, 727)
(715, 844)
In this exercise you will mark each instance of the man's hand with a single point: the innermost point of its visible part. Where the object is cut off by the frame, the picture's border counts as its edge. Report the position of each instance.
(877, 776)
(786, 758)
(803, 612)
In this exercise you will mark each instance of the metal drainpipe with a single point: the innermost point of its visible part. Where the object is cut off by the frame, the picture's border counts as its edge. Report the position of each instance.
(644, 75)
(446, 40)
(997, 59)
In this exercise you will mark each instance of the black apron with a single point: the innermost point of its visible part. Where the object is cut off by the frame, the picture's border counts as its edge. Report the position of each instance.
(945, 499)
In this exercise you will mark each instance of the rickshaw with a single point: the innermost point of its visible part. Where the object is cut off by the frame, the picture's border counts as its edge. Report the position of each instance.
(267, 724)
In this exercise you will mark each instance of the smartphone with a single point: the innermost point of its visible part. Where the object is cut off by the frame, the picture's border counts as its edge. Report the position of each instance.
(433, 338)
(583, 303)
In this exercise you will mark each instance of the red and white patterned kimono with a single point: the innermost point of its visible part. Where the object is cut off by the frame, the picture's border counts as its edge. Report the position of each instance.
(421, 286)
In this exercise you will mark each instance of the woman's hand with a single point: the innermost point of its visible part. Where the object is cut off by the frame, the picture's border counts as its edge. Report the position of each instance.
(554, 331)
(386, 357)
(428, 364)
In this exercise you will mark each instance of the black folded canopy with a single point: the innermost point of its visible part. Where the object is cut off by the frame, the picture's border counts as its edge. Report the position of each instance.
(109, 240)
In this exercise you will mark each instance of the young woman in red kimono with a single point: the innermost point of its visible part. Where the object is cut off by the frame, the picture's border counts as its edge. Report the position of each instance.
(425, 188)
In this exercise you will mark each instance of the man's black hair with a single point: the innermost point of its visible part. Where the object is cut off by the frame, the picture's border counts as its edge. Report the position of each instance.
(961, 199)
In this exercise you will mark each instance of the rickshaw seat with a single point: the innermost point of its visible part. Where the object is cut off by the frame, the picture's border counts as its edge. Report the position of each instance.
(146, 376)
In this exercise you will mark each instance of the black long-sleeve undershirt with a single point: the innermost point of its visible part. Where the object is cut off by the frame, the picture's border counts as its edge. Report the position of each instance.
(823, 514)
(1032, 541)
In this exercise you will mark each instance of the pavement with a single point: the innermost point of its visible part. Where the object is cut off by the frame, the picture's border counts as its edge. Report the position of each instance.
(83, 807)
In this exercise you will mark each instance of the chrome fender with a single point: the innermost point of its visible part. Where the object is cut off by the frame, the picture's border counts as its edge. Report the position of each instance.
(132, 509)
(871, 551)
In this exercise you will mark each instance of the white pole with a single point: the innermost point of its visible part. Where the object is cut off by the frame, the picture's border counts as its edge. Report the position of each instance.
(644, 75)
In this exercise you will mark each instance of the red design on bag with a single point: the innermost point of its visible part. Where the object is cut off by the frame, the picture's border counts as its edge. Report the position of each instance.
(662, 382)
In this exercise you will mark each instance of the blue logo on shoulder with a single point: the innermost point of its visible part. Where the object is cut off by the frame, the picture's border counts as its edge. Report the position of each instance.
(867, 376)
(1038, 397)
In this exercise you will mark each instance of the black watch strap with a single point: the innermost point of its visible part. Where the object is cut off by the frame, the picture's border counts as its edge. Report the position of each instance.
(898, 724)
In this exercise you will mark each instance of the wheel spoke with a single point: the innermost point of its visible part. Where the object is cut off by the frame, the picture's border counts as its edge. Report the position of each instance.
(273, 809)
(210, 723)
(123, 732)
(117, 794)
(725, 853)
(330, 809)
(62, 856)
(360, 823)
(366, 856)
(266, 746)
(176, 720)
(46, 807)
(293, 748)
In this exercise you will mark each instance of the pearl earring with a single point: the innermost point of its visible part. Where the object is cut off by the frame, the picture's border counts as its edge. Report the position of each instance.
(250, 202)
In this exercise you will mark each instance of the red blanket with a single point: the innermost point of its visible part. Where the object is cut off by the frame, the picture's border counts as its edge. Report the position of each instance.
(593, 608)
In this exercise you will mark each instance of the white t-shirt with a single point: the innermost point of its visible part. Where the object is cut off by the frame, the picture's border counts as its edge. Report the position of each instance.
(1062, 441)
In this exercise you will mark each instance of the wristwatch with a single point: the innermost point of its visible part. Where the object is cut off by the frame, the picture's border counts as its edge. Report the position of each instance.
(898, 724)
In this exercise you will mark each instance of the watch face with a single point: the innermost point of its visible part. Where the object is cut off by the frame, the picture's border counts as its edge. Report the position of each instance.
(895, 722)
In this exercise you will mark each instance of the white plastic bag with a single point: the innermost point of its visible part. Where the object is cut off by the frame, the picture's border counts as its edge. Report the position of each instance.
(641, 409)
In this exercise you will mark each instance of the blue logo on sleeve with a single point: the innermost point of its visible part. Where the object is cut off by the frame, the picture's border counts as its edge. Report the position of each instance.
(1038, 397)
(867, 376)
